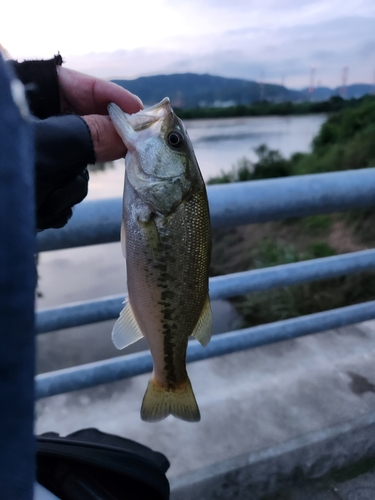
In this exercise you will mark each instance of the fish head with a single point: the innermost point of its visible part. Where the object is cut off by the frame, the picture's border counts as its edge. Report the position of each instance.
(160, 162)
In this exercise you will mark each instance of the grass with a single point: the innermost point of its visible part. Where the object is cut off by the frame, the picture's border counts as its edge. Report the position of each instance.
(306, 298)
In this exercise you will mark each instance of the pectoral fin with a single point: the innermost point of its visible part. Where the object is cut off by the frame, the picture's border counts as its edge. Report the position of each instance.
(126, 330)
(202, 330)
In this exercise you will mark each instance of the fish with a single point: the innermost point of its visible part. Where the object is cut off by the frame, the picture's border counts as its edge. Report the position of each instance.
(166, 241)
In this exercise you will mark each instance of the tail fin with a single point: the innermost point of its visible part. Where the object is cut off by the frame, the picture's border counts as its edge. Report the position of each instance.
(159, 402)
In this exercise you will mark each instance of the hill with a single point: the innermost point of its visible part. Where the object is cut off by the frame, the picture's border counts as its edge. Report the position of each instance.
(189, 90)
(354, 91)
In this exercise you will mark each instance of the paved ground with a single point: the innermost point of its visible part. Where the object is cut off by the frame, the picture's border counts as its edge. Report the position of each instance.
(331, 463)
(249, 400)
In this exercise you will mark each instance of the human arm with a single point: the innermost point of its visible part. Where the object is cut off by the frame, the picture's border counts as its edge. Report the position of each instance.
(66, 143)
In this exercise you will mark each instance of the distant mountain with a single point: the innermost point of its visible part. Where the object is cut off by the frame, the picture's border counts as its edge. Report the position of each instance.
(351, 91)
(318, 94)
(358, 90)
(190, 90)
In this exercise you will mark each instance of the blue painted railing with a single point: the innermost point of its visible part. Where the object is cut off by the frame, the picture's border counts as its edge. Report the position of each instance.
(230, 205)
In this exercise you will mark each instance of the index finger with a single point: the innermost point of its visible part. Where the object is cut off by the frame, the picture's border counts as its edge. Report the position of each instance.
(84, 94)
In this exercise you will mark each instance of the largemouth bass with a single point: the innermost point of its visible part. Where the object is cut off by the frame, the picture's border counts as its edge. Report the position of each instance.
(166, 239)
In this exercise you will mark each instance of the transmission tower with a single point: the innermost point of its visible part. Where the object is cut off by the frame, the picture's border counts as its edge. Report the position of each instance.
(261, 87)
(345, 72)
(312, 82)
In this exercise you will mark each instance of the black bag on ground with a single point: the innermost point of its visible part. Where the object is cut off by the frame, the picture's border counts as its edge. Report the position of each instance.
(90, 464)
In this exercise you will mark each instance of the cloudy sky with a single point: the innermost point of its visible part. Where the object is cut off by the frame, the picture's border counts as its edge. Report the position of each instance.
(277, 41)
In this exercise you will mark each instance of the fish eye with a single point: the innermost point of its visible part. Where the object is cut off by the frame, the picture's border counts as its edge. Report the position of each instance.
(175, 139)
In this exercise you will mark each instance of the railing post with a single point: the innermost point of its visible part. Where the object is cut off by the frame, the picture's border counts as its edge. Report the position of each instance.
(17, 285)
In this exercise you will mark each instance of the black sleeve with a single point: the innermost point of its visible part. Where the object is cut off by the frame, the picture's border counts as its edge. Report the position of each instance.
(63, 144)
(41, 84)
(63, 148)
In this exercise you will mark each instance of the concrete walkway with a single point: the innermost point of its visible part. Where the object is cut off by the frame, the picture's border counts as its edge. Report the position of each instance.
(332, 487)
(249, 401)
(333, 463)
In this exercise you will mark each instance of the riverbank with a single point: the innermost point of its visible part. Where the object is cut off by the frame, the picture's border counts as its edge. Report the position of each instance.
(267, 108)
(345, 141)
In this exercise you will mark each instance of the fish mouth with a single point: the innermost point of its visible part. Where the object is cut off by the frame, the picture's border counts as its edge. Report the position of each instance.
(164, 102)
(145, 118)
(147, 121)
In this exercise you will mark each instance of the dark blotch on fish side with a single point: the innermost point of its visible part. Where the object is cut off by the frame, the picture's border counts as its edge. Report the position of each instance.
(168, 360)
(160, 266)
(167, 294)
(164, 303)
(167, 313)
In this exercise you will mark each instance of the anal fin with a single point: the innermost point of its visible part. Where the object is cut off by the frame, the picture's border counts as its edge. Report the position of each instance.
(203, 328)
(126, 330)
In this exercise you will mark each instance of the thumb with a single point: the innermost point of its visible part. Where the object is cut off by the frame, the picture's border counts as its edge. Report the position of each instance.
(108, 145)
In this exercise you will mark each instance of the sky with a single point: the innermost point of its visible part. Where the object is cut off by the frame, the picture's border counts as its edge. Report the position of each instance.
(274, 41)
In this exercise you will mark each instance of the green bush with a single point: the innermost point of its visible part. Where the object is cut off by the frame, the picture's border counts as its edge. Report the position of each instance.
(319, 250)
(316, 223)
(270, 164)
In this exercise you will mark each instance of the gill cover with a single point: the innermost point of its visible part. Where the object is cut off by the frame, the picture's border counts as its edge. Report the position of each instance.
(157, 160)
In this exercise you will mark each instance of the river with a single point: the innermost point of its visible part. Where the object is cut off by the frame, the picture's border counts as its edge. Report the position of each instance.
(92, 272)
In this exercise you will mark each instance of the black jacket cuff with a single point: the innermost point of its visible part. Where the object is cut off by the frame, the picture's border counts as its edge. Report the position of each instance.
(41, 84)
(63, 148)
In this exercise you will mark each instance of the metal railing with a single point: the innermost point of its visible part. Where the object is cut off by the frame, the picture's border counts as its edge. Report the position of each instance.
(230, 205)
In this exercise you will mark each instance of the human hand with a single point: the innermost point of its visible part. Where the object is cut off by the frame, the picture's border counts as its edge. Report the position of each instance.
(89, 97)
